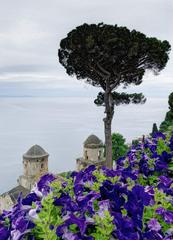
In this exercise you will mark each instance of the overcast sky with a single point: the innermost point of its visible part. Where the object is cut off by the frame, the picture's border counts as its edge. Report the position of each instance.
(30, 32)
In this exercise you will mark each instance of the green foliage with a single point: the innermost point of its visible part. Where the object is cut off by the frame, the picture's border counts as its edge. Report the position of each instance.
(104, 226)
(162, 146)
(108, 56)
(97, 52)
(159, 146)
(101, 224)
(65, 174)
(7, 222)
(161, 201)
(69, 188)
(100, 179)
(135, 142)
(167, 124)
(48, 216)
(119, 148)
(170, 101)
(121, 98)
(148, 181)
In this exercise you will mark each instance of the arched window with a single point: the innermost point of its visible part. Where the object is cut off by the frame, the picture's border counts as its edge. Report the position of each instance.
(99, 154)
(86, 155)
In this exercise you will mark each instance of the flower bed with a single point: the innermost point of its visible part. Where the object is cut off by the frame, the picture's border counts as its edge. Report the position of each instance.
(133, 201)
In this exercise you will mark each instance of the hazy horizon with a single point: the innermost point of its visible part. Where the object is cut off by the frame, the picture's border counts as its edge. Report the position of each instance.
(61, 126)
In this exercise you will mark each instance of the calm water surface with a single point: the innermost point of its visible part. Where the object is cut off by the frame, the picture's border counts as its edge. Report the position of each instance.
(60, 125)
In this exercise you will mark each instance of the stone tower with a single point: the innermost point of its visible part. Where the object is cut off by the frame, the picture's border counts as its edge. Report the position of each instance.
(93, 153)
(35, 163)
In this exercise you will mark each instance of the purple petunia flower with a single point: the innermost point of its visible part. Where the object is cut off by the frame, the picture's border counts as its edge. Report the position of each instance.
(137, 199)
(149, 190)
(125, 200)
(68, 235)
(80, 221)
(152, 235)
(104, 205)
(154, 225)
(86, 202)
(43, 183)
(67, 203)
(33, 214)
(167, 215)
(110, 172)
(165, 181)
(115, 193)
(159, 135)
(125, 228)
(160, 210)
(4, 232)
(30, 198)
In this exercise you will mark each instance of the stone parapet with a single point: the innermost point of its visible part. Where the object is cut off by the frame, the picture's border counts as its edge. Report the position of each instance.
(83, 163)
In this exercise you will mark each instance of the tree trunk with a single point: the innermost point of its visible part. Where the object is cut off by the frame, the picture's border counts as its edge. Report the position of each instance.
(108, 143)
(109, 111)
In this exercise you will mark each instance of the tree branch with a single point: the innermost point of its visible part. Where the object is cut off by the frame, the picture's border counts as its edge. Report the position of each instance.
(103, 70)
(116, 83)
(94, 69)
(100, 74)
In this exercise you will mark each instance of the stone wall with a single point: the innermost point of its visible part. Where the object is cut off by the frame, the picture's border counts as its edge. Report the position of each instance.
(5, 202)
(82, 163)
(93, 154)
(33, 167)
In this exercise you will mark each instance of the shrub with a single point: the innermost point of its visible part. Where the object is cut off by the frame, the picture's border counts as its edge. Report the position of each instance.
(119, 147)
(167, 124)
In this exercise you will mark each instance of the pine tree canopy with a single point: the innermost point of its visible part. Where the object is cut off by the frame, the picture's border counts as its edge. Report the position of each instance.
(97, 52)
(108, 56)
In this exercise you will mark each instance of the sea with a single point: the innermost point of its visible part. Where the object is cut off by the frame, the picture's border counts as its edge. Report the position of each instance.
(60, 125)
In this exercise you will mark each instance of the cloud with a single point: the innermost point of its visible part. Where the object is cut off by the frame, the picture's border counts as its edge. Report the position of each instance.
(31, 31)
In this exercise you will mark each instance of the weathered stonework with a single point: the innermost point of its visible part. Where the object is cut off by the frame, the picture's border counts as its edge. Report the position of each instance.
(8, 199)
(5, 202)
(93, 153)
(35, 164)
